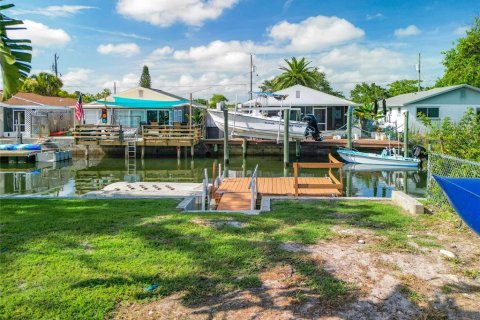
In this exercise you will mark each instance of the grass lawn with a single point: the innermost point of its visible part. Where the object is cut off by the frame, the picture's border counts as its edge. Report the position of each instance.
(77, 259)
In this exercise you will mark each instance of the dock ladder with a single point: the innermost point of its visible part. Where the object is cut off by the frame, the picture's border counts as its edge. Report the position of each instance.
(131, 155)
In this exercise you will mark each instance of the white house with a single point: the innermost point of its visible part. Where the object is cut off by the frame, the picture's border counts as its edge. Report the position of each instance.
(329, 110)
(438, 103)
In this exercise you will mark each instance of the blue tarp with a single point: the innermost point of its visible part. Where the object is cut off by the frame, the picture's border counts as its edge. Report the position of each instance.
(20, 147)
(464, 196)
(142, 103)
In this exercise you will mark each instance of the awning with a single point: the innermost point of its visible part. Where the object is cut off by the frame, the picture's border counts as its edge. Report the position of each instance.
(142, 103)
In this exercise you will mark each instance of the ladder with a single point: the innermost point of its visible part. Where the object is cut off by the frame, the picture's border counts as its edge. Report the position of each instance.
(131, 155)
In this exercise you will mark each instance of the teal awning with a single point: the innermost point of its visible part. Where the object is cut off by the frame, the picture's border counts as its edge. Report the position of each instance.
(142, 103)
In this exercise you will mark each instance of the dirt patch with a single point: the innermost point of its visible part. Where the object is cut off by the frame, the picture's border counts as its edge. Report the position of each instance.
(422, 284)
(219, 223)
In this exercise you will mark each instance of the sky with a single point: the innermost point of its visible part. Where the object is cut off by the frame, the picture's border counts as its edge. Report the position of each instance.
(203, 46)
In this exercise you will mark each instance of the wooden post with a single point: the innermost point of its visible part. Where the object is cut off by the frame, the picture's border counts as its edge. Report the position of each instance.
(226, 151)
(298, 150)
(295, 175)
(405, 135)
(349, 183)
(190, 113)
(244, 147)
(349, 127)
(179, 153)
(192, 150)
(143, 152)
(286, 140)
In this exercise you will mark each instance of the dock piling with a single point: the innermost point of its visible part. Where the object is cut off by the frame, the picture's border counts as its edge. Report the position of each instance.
(244, 147)
(226, 151)
(286, 140)
(405, 134)
(349, 127)
(192, 151)
(298, 150)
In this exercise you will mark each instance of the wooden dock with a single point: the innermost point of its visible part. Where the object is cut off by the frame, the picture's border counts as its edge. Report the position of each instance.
(235, 194)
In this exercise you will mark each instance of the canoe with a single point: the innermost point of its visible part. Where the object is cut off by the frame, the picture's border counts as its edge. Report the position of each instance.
(464, 196)
(354, 156)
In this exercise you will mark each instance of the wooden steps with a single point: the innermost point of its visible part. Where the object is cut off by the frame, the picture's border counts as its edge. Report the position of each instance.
(237, 201)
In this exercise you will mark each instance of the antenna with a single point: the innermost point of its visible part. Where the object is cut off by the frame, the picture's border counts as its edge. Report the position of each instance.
(55, 64)
(252, 69)
(418, 67)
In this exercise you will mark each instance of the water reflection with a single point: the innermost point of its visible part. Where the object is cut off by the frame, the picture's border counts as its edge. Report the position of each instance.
(82, 176)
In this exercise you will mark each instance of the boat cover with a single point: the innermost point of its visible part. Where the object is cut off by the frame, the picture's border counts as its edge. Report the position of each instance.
(20, 147)
(464, 196)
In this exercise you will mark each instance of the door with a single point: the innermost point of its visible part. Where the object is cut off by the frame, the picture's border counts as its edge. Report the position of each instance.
(321, 115)
(19, 120)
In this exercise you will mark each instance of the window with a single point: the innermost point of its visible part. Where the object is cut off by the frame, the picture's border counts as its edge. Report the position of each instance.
(297, 94)
(429, 112)
(140, 93)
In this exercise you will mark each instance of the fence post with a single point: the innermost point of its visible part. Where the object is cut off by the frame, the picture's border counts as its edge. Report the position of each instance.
(405, 135)
(349, 128)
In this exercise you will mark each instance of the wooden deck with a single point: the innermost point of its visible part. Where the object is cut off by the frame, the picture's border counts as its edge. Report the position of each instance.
(235, 202)
(279, 186)
(149, 135)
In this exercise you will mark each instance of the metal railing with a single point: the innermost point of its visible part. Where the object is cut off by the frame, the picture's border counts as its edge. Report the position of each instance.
(205, 193)
(253, 186)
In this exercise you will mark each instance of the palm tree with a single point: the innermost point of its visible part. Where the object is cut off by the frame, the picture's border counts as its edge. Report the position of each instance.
(269, 85)
(297, 72)
(43, 83)
(15, 55)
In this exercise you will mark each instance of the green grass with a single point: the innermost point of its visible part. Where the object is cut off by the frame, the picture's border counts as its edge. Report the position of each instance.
(77, 259)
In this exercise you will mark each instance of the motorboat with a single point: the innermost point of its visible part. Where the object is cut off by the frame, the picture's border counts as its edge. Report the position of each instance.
(464, 196)
(255, 122)
(388, 157)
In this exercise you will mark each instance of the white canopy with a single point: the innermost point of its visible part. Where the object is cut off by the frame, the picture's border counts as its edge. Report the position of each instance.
(299, 95)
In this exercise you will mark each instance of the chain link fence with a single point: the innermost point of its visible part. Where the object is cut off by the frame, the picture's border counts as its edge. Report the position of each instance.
(447, 166)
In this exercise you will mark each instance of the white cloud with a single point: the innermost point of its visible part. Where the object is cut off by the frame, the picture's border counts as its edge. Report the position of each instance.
(128, 81)
(40, 34)
(54, 11)
(116, 33)
(164, 13)
(315, 33)
(461, 31)
(77, 77)
(377, 16)
(162, 52)
(121, 49)
(411, 30)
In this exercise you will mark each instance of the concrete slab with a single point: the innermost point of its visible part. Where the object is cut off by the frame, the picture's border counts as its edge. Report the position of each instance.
(407, 202)
(148, 190)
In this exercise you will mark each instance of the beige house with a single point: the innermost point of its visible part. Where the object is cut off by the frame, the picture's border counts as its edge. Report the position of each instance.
(137, 106)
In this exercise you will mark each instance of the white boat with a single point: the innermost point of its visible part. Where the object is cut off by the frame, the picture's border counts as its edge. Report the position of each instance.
(385, 158)
(257, 126)
(360, 167)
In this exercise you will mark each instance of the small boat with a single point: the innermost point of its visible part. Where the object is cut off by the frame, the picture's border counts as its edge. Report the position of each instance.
(464, 196)
(360, 167)
(386, 158)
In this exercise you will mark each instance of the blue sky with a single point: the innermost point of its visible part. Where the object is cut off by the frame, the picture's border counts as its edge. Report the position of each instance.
(203, 46)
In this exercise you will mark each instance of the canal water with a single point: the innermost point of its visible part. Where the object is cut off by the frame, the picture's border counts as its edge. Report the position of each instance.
(77, 177)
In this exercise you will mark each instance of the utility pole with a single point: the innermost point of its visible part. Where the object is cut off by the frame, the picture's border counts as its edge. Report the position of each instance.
(419, 74)
(55, 64)
(114, 87)
(251, 76)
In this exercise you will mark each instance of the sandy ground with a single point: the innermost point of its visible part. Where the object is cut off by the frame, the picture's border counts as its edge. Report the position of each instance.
(424, 284)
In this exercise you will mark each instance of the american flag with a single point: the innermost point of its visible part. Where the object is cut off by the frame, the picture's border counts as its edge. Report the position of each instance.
(79, 109)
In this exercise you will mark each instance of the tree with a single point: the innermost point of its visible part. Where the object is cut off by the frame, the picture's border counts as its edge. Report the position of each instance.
(402, 87)
(145, 80)
(43, 83)
(201, 101)
(366, 93)
(269, 85)
(323, 85)
(297, 72)
(216, 98)
(462, 63)
(102, 94)
(15, 55)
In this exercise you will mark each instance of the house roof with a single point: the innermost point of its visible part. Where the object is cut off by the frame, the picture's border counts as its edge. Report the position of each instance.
(308, 97)
(409, 98)
(33, 99)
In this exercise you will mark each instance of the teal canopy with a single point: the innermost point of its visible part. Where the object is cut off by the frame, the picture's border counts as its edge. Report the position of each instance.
(142, 103)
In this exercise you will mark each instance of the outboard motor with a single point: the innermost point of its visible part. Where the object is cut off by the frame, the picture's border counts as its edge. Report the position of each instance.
(419, 152)
(312, 127)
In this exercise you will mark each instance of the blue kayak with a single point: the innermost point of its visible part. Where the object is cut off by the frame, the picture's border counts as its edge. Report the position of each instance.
(464, 196)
